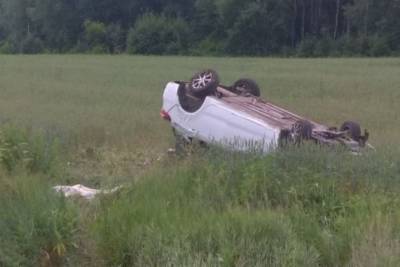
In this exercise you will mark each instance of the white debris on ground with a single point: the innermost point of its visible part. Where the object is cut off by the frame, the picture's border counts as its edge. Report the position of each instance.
(171, 151)
(83, 191)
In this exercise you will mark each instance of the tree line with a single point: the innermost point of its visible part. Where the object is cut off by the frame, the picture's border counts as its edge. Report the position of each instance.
(202, 27)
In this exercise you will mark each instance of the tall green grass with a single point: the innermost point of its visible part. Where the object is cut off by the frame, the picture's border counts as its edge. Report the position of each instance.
(32, 151)
(37, 226)
(301, 207)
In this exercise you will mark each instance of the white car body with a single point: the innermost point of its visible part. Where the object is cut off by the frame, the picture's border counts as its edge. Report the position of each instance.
(217, 122)
(244, 122)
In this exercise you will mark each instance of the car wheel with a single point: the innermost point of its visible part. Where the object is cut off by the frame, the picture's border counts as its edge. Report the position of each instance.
(302, 130)
(246, 87)
(204, 83)
(353, 129)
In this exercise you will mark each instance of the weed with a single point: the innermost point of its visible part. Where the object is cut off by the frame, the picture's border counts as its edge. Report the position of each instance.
(33, 152)
(234, 209)
(37, 226)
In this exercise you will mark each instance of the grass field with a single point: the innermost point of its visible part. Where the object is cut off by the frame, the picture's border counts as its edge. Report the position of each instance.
(95, 120)
(116, 99)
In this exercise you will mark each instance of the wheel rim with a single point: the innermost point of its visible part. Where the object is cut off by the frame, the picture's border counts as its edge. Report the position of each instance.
(202, 80)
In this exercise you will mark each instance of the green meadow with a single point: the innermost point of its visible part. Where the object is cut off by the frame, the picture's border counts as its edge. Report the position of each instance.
(94, 120)
(116, 99)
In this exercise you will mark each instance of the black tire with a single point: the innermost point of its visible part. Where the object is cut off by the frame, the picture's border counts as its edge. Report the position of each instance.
(302, 130)
(189, 103)
(246, 87)
(353, 129)
(204, 83)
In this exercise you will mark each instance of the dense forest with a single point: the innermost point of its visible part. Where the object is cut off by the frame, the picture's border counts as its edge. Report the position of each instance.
(202, 27)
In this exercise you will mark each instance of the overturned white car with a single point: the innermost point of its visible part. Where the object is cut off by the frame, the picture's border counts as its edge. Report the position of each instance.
(237, 118)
